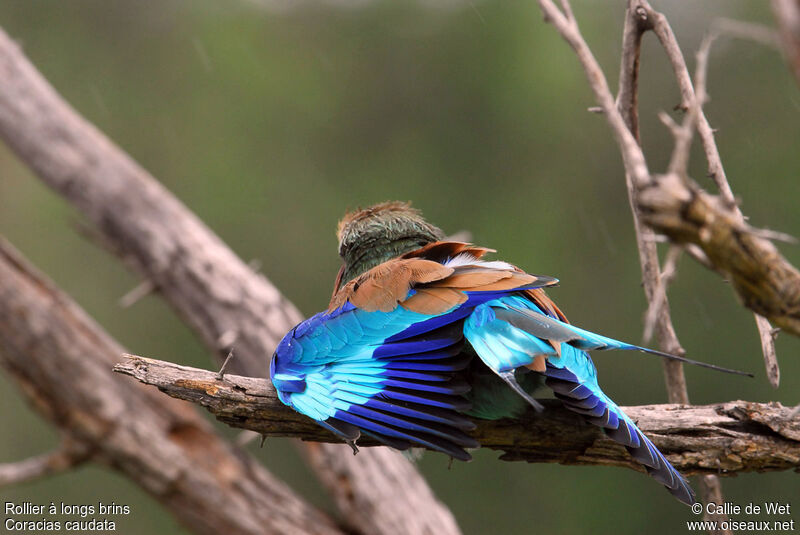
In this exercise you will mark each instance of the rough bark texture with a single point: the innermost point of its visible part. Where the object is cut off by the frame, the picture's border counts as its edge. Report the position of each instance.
(62, 361)
(681, 211)
(205, 282)
(764, 280)
(729, 437)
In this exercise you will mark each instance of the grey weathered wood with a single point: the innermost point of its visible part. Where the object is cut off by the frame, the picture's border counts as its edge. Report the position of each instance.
(737, 436)
(62, 361)
(216, 293)
(763, 279)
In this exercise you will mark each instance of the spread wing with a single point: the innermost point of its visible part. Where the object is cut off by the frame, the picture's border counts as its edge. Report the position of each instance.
(385, 358)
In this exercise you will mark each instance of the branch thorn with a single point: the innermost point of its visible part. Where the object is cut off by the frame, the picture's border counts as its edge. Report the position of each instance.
(221, 373)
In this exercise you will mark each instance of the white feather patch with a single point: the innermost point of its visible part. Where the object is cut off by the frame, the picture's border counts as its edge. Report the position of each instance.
(466, 259)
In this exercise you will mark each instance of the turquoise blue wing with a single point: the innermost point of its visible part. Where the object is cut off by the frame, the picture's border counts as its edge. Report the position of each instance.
(509, 332)
(393, 376)
(582, 395)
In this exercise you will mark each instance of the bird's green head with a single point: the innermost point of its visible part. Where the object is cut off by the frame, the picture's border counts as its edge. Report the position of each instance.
(371, 236)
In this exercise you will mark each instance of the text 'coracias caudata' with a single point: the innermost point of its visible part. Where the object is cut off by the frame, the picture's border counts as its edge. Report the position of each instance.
(394, 356)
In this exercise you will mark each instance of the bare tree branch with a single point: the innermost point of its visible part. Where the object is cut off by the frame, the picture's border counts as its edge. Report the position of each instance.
(62, 361)
(361, 493)
(656, 307)
(767, 336)
(764, 280)
(638, 20)
(787, 13)
(658, 318)
(750, 31)
(206, 283)
(147, 225)
(631, 152)
(66, 456)
(715, 168)
(640, 17)
(723, 438)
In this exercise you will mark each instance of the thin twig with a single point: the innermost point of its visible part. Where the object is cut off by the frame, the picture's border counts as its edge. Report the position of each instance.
(774, 235)
(670, 269)
(767, 336)
(666, 37)
(762, 324)
(715, 169)
(637, 21)
(667, 275)
(697, 253)
(750, 31)
(631, 152)
(654, 280)
(221, 373)
(683, 134)
(68, 455)
(711, 490)
(141, 290)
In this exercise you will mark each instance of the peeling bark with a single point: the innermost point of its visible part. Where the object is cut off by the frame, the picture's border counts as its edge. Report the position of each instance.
(725, 438)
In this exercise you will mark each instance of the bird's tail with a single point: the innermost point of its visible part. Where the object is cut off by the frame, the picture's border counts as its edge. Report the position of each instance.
(589, 401)
(507, 334)
(539, 324)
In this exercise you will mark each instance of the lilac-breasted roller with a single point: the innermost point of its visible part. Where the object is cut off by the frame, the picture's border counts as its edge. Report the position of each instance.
(421, 334)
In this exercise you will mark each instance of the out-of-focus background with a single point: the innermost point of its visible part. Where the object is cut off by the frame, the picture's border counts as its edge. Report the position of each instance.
(270, 119)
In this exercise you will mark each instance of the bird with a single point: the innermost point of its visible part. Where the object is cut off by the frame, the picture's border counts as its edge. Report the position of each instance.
(422, 335)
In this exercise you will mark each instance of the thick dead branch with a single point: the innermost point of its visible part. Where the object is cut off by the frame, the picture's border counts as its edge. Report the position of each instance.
(639, 18)
(747, 255)
(62, 361)
(367, 481)
(692, 100)
(764, 280)
(724, 438)
(206, 283)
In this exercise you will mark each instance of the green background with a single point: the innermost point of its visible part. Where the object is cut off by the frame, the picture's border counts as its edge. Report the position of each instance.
(270, 122)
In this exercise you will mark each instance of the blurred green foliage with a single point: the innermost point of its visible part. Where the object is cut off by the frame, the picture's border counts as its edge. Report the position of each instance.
(269, 123)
